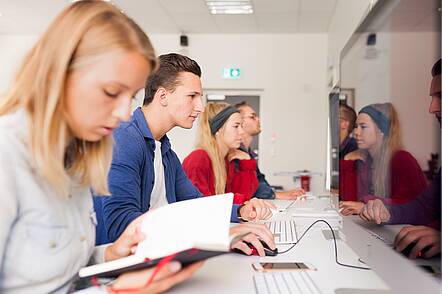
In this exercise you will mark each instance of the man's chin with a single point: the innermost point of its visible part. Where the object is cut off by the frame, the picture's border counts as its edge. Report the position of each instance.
(186, 125)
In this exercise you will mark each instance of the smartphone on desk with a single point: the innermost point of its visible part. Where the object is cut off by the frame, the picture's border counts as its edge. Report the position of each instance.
(282, 266)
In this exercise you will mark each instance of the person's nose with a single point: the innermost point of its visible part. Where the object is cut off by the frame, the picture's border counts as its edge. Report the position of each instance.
(434, 105)
(122, 109)
(198, 106)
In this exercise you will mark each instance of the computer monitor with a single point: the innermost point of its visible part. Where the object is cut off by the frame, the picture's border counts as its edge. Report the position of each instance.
(332, 176)
(388, 59)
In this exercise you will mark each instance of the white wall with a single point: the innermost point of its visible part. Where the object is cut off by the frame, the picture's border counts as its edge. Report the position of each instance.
(289, 71)
(369, 77)
(413, 55)
(348, 14)
(12, 50)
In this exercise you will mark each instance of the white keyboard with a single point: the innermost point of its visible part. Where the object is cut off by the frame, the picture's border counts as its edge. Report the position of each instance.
(284, 231)
(285, 283)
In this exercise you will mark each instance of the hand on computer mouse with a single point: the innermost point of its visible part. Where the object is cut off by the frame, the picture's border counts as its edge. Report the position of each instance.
(256, 232)
(426, 240)
(267, 250)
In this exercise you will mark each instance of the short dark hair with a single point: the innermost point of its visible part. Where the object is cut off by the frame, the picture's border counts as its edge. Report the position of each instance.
(347, 113)
(241, 104)
(171, 65)
(435, 71)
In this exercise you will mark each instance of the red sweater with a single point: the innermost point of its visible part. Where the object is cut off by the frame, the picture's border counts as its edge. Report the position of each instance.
(406, 176)
(243, 182)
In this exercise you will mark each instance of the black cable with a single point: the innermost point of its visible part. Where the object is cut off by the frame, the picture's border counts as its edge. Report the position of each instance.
(334, 241)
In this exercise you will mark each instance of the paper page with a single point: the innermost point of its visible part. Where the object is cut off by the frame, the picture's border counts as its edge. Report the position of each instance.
(182, 225)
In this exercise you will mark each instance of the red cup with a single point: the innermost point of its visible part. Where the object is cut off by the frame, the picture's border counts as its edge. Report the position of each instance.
(305, 183)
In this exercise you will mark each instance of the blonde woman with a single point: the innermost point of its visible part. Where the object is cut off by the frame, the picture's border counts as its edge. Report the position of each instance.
(210, 166)
(73, 88)
(379, 168)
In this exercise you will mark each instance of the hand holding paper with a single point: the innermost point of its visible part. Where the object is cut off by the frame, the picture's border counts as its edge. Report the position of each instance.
(193, 230)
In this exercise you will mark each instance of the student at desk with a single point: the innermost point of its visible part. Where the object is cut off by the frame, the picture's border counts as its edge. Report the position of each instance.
(210, 167)
(379, 168)
(424, 212)
(73, 87)
(146, 173)
(251, 125)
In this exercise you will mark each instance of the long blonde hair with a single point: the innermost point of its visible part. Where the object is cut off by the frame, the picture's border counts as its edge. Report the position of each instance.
(391, 143)
(207, 141)
(80, 33)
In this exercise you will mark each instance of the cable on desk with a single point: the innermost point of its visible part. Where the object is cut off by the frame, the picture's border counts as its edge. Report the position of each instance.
(334, 241)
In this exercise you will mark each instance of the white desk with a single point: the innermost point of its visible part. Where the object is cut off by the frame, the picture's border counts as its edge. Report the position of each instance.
(233, 273)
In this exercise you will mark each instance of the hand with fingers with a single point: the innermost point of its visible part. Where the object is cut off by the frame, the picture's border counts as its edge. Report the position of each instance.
(256, 209)
(165, 278)
(426, 240)
(290, 195)
(127, 243)
(350, 207)
(256, 232)
(375, 211)
(237, 154)
(356, 155)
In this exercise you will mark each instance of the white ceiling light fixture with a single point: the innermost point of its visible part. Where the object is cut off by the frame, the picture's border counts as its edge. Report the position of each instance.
(230, 6)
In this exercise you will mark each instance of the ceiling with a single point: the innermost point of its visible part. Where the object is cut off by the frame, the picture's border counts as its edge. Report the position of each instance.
(193, 17)
(183, 16)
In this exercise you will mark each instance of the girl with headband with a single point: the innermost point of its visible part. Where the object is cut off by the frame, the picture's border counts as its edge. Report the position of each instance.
(210, 166)
(379, 168)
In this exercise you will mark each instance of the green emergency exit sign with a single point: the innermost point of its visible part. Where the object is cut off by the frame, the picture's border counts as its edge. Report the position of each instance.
(232, 73)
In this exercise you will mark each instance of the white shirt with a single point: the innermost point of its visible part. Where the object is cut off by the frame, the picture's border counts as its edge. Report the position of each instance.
(45, 238)
(158, 195)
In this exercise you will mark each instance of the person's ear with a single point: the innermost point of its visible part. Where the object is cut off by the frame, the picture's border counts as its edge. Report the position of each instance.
(162, 96)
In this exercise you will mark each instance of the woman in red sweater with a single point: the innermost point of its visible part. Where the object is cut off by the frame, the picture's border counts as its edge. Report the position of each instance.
(379, 168)
(210, 167)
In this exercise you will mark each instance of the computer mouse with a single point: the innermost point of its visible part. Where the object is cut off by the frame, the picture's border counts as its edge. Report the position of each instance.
(267, 250)
(407, 250)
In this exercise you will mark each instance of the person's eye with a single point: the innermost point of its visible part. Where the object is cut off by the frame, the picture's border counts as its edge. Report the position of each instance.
(111, 94)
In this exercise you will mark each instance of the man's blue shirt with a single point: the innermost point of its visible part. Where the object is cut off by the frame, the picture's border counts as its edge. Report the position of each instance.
(131, 178)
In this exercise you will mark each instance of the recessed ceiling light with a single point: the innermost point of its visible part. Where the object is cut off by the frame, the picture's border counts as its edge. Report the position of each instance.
(230, 6)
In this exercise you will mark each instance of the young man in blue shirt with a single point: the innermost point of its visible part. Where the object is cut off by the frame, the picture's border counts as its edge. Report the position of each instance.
(139, 179)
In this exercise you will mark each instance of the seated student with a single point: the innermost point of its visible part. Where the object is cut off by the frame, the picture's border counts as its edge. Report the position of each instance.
(347, 120)
(252, 127)
(210, 166)
(73, 87)
(423, 213)
(380, 168)
(145, 172)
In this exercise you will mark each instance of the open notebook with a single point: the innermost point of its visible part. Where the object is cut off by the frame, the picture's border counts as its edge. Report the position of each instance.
(193, 230)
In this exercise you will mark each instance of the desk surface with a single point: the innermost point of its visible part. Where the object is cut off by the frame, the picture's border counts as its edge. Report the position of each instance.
(233, 273)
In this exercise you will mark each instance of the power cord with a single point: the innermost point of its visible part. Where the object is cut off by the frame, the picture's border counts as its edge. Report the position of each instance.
(334, 241)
